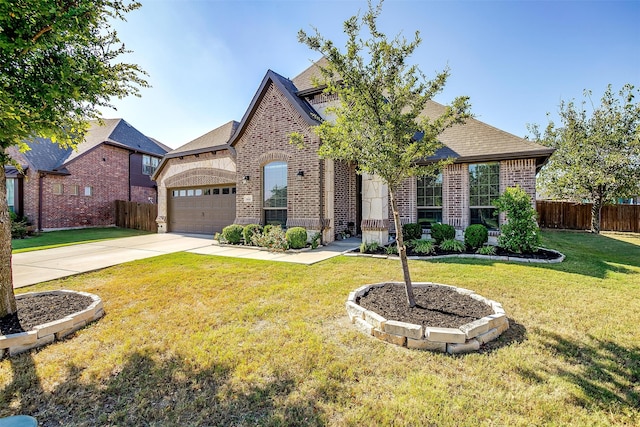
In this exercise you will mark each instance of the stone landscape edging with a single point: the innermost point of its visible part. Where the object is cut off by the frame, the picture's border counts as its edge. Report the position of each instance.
(467, 338)
(48, 333)
(474, 256)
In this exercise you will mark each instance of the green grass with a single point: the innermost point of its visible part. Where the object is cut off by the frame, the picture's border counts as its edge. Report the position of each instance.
(201, 341)
(54, 239)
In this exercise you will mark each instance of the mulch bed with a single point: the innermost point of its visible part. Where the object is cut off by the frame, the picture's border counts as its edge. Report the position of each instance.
(34, 310)
(436, 306)
(540, 254)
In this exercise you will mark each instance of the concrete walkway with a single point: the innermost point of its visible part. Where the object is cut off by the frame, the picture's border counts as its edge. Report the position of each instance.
(40, 266)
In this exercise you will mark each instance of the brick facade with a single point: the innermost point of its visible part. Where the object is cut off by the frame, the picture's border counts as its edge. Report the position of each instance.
(266, 139)
(105, 170)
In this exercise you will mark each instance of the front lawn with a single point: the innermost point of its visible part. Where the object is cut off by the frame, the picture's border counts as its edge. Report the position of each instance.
(54, 239)
(202, 341)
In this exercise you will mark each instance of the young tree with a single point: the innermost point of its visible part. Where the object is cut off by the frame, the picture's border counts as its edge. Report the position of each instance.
(57, 68)
(379, 125)
(597, 157)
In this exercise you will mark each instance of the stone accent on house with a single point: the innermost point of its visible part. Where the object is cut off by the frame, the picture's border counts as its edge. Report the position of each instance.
(264, 139)
(191, 170)
(375, 210)
(466, 338)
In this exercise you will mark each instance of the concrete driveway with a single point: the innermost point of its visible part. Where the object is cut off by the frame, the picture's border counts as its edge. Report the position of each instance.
(40, 266)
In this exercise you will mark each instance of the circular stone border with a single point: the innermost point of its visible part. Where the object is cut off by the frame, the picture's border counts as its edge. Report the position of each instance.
(465, 339)
(47, 333)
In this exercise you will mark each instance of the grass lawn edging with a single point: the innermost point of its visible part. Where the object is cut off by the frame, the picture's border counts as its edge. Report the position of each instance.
(467, 338)
(48, 333)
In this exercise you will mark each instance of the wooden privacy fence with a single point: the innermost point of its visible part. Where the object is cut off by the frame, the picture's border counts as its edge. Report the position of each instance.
(578, 216)
(140, 216)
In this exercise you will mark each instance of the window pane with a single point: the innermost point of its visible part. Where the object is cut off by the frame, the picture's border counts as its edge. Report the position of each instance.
(426, 217)
(429, 190)
(275, 185)
(484, 216)
(225, 191)
(275, 217)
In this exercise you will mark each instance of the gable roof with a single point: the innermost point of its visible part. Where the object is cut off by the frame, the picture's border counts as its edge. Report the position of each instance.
(477, 141)
(304, 81)
(47, 156)
(289, 90)
(215, 139)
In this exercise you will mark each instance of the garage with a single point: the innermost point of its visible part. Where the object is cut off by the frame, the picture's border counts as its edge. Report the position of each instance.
(202, 210)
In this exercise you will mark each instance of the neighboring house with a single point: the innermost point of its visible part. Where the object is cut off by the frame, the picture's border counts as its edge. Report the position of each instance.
(248, 172)
(68, 188)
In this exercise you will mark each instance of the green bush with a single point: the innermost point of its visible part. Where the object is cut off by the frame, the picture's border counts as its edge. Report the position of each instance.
(475, 236)
(487, 250)
(296, 237)
(441, 232)
(521, 232)
(18, 226)
(423, 246)
(249, 231)
(411, 232)
(315, 240)
(392, 249)
(272, 238)
(452, 245)
(232, 233)
(369, 248)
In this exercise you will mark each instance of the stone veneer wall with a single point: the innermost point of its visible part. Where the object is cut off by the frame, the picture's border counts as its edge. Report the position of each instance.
(266, 139)
(205, 169)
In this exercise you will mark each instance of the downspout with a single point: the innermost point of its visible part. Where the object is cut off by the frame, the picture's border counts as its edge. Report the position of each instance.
(40, 179)
(129, 187)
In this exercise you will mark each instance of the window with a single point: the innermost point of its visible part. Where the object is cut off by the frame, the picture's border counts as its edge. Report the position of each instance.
(74, 190)
(429, 200)
(207, 191)
(149, 164)
(88, 191)
(225, 190)
(275, 193)
(216, 191)
(11, 194)
(57, 189)
(484, 188)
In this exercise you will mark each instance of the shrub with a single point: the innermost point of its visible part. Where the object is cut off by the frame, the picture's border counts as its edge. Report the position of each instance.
(249, 231)
(520, 233)
(452, 245)
(392, 249)
(18, 226)
(315, 240)
(423, 246)
(369, 248)
(475, 236)
(296, 237)
(232, 233)
(487, 250)
(442, 232)
(267, 228)
(411, 231)
(272, 238)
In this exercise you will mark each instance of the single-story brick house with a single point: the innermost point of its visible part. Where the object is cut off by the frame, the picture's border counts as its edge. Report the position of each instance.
(248, 172)
(71, 188)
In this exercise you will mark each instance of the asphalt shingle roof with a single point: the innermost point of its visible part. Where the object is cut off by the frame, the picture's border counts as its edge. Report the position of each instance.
(219, 137)
(45, 155)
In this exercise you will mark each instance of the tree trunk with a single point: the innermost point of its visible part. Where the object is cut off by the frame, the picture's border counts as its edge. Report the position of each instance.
(596, 214)
(7, 298)
(402, 250)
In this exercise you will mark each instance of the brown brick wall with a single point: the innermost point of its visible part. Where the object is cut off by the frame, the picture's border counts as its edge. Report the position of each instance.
(105, 169)
(143, 195)
(266, 139)
(345, 196)
(455, 195)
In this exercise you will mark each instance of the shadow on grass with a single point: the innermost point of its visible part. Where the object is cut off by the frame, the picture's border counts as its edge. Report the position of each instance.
(516, 334)
(151, 390)
(607, 373)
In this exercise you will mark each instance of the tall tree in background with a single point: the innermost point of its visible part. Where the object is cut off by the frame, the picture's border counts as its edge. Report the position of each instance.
(597, 157)
(58, 66)
(379, 125)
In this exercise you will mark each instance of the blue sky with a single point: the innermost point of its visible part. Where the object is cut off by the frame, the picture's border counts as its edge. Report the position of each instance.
(515, 59)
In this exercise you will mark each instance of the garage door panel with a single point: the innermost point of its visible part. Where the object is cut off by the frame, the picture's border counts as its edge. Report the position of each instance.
(203, 213)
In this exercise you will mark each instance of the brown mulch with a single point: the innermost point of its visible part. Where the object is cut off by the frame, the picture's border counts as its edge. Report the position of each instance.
(436, 306)
(34, 310)
(539, 254)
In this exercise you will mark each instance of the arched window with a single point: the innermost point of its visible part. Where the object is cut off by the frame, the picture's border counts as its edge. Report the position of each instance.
(275, 193)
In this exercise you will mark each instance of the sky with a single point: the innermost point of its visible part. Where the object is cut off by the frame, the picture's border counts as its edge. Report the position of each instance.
(516, 60)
